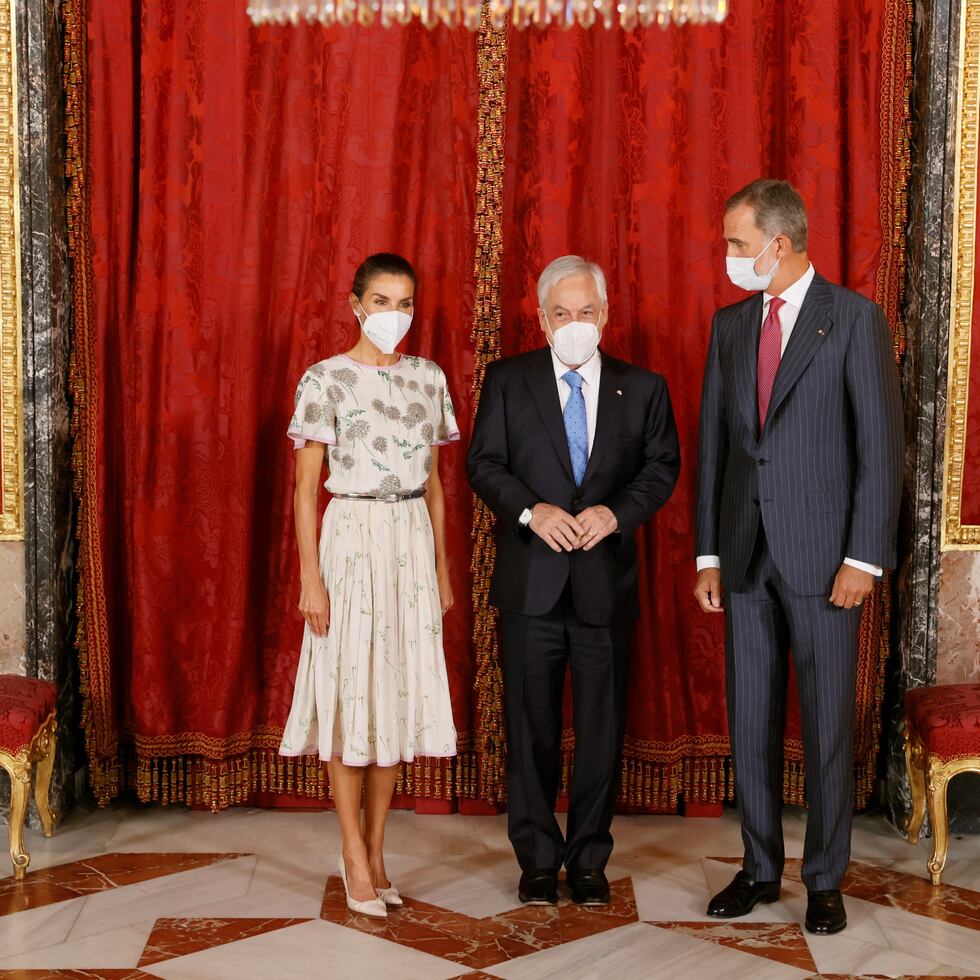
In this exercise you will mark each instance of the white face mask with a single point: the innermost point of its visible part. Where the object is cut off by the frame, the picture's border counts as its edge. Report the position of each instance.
(575, 342)
(385, 330)
(742, 271)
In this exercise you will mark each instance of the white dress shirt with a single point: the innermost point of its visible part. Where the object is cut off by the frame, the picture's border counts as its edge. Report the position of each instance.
(788, 313)
(590, 371)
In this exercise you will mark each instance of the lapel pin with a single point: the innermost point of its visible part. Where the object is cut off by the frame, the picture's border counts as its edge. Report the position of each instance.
(820, 332)
(618, 392)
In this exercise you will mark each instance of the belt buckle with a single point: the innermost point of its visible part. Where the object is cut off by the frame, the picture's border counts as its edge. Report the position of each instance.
(392, 498)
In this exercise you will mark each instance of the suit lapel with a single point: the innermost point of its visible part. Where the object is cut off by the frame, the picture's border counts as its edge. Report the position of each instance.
(746, 359)
(607, 413)
(540, 379)
(811, 329)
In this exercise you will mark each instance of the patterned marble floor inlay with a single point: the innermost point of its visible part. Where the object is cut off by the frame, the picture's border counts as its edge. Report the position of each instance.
(98, 874)
(477, 943)
(75, 975)
(779, 941)
(179, 937)
(900, 890)
(244, 920)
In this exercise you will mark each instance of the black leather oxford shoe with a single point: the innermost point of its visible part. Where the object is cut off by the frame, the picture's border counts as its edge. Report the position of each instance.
(588, 887)
(825, 913)
(741, 896)
(538, 888)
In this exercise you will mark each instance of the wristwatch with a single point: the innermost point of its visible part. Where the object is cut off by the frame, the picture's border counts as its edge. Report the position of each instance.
(525, 517)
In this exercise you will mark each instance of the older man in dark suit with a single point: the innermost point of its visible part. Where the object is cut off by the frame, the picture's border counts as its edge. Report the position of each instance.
(800, 474)
(573, 451)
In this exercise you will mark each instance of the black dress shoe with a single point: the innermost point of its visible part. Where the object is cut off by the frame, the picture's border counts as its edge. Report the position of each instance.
(825, 913)
(741, 896)
(588, 887)
(538, 888)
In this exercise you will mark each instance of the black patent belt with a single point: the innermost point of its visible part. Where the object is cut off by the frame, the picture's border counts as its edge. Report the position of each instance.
(388, 498)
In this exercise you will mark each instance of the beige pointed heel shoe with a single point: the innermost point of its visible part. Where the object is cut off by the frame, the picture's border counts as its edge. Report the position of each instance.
(390, 896)
(375, 907)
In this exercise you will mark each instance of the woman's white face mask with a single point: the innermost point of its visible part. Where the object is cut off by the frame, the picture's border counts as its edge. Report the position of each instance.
(386, 330)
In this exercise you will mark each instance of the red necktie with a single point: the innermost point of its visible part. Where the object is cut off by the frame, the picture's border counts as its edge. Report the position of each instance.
(770, 347)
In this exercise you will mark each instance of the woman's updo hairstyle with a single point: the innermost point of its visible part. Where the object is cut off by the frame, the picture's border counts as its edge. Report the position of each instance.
(381, 264)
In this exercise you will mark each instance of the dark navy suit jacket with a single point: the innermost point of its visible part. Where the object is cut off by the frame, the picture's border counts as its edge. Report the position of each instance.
(519, 457)
(825, 474)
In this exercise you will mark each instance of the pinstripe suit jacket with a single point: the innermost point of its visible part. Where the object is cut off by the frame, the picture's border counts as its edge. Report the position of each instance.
(825, 474)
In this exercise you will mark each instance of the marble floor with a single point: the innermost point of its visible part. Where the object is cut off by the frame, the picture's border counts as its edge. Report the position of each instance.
(133, 892)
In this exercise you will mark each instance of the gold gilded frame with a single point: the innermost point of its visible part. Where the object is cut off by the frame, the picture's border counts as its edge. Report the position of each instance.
(11, 388)
(956, 534)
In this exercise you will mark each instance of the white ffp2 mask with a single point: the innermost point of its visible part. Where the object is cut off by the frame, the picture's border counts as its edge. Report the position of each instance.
(386, 330)
(575, 342)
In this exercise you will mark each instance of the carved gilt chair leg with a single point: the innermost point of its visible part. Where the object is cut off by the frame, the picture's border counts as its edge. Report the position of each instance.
(938, 817)
(42, 782)
(20, 784)
(915, 763)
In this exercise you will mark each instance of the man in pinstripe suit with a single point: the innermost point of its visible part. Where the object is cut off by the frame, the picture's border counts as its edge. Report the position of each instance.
(800, 471)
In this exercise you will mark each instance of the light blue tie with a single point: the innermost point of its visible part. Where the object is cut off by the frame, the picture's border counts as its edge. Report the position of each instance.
(576, 425)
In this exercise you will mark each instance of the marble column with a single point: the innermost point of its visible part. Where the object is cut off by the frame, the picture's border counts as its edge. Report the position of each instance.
(49, 539)
(927, 312)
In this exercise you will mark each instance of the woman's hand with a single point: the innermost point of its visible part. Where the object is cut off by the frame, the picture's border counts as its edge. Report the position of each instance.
(445, 590)
(314, 604)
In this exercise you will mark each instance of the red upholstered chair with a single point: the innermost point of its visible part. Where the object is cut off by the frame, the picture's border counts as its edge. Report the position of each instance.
(27, 735)
(942, 739)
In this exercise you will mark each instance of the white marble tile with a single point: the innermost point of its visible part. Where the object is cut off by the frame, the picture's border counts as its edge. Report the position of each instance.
(239, 829)
(643, 952)
(85, 833)
(930, 939)
(478, 885)
(36, 928)
(300, 898)
(163, 897)
(115, 949)
(311, 949)
(845, 954)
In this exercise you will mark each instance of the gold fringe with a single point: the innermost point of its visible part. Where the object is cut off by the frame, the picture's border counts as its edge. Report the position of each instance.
(221, 783)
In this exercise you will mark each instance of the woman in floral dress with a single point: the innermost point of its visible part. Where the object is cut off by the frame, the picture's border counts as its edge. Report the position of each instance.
(371, 687)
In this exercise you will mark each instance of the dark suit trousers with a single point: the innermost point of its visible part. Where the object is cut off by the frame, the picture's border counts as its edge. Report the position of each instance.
(536, 650)
(765, 619)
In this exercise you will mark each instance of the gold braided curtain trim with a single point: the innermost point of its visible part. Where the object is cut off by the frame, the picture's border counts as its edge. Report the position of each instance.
(492, 57)
(91, 639)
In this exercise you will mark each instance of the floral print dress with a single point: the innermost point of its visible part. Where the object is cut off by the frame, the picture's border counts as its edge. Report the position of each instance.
(374, 689)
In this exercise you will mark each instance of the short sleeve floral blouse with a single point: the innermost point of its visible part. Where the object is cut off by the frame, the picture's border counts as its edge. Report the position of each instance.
(379, 422)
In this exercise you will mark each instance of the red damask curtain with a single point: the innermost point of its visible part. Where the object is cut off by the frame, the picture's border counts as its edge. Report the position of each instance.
(226, 181)
(624, 147)
(236, 179)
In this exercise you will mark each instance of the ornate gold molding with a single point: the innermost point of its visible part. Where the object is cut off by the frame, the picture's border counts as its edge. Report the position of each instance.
(11, 388)
(955, 534)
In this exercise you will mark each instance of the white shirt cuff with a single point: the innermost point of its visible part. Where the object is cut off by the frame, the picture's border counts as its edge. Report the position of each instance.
(864, 566)
(708, 561)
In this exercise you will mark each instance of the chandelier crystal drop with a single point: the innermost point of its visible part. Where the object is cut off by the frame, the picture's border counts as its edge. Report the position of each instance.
(467, 13)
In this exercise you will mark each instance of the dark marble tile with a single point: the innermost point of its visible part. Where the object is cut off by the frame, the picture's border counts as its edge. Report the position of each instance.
(478, 943)
(180, 937)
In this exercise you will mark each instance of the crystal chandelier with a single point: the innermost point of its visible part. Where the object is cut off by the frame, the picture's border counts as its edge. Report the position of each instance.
(520, 13)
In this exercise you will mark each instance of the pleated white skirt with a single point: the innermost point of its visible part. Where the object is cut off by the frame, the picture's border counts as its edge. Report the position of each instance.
(374, 689)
